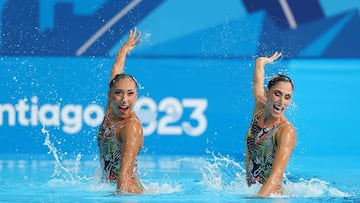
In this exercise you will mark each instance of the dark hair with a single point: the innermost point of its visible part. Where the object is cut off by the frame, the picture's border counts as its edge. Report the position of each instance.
(122, 76)
(279, 78)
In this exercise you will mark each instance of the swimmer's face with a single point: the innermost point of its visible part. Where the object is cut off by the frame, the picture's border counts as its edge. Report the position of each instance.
(278, 98)
(123, 95)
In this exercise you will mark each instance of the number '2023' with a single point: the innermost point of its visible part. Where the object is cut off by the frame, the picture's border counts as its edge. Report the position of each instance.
(173, 116)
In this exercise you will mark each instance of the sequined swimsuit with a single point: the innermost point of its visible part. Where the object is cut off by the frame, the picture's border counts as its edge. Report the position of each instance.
(110, 152)
(260, 146)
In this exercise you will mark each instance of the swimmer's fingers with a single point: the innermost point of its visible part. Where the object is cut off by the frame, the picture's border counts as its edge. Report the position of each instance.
(134, 36)
(137, 39)
(129, 191)
(275, 56)
(135, 189)
(132, 41)
(266, 60)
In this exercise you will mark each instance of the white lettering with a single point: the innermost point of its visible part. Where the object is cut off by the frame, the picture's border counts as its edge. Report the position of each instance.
(34, 111)
(22, 108)
(173, 120)
(146, 108)
(71, 116)
(199, 106)
(170, 117)
(49, 115)
(10, 114)
(173, 112)
(98, 113)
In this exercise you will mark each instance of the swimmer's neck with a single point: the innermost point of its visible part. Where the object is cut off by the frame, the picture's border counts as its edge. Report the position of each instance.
(269, 120)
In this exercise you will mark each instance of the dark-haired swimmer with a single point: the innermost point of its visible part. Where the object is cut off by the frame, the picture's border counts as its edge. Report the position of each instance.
(120, 136)
(271, 138)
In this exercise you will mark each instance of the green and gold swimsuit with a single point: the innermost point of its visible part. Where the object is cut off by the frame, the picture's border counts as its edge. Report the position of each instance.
(260, 150)
(110, 152)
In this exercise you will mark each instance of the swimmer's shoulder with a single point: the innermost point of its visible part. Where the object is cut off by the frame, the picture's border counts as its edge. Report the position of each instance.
(286, 130)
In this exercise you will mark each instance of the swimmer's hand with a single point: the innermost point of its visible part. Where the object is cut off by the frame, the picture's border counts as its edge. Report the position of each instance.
(126, 193)
(129, 189)
(132, 41)
(266, 60)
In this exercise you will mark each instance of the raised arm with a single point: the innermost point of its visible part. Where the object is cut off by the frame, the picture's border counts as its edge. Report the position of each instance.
(286, 141)
(132, 140)
(131, 42)
(259, 77)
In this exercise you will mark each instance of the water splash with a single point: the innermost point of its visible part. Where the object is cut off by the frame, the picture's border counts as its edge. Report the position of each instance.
(65, 175)
(225, 175)
(164, 188)
(70, 175)
(312, 188)
(220, 174)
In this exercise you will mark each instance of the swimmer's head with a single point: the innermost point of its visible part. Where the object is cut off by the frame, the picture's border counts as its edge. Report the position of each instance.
(279, 78)
(122, 95)
(122, 76)
(278, 95)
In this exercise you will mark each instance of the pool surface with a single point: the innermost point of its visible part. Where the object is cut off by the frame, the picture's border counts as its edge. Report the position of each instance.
(210, 178)
(60, 176)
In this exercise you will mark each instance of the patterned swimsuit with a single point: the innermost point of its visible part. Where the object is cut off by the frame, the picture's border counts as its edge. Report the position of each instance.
(110, 152)
(260, 146)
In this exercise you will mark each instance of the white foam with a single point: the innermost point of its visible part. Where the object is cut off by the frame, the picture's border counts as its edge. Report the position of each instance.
(162, 188)
(225, 175)
(218, 173)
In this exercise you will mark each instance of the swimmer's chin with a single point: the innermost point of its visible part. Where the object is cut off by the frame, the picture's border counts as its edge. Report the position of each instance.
(277, 109)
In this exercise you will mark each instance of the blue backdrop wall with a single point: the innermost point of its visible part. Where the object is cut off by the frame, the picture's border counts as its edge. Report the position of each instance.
(195, 70)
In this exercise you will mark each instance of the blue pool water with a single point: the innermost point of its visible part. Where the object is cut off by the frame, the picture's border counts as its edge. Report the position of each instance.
(61, 177)
(32, 178)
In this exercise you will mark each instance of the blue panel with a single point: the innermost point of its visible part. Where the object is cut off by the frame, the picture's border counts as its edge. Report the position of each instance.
(67, 95)
(22, 34)
(203, 62)
(176, 28)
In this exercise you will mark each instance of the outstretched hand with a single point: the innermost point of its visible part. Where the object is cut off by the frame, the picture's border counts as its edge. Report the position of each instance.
(132, 41)
(266, 60)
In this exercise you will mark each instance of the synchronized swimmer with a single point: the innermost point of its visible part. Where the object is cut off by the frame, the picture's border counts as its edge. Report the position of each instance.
(121, 136)
(271, 138)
